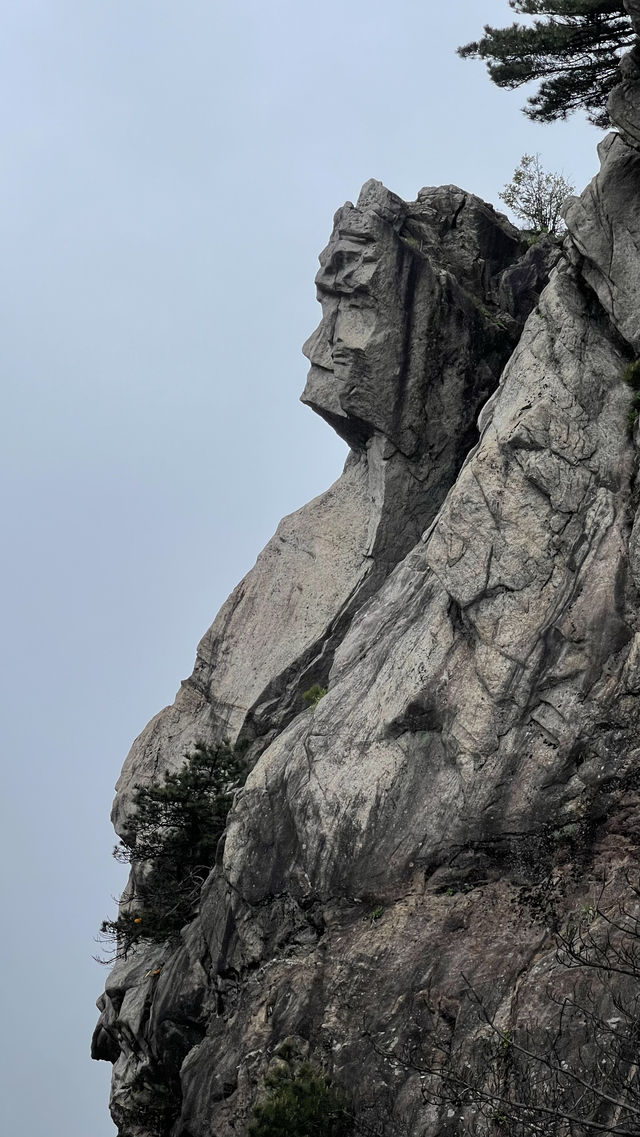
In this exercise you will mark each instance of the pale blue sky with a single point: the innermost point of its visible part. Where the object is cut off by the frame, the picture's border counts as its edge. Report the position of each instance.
(169, 175)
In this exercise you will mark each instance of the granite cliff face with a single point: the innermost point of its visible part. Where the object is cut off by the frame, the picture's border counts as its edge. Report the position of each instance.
(468, 593)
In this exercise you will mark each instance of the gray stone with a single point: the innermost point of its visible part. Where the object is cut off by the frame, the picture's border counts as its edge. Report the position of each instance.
(469, 597)
(429, 686)
(633, 10)
(624, 101)
(604, 224)
(274, 620)
(422, 304)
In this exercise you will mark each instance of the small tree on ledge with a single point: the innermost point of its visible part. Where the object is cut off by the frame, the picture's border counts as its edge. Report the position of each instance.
(302, 1104)
(537, 197)
(176, 829)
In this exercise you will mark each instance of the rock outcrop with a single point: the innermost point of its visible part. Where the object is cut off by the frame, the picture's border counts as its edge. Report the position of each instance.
(422, 305)
(467, 591)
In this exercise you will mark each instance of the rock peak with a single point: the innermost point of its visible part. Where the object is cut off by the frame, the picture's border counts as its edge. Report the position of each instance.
(375, 198)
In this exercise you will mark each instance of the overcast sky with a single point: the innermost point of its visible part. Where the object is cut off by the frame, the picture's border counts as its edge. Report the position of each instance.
(170, 172)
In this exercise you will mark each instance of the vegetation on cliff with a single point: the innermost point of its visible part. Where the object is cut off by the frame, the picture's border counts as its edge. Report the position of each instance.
(302, 1104)
(175, 833)
(570, 1070)
(574, 50)
(536, 196)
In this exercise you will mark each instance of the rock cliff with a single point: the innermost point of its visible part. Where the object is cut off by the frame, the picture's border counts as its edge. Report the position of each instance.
(467, 592)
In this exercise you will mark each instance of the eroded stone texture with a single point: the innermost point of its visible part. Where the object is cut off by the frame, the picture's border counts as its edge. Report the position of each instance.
(460, 689)
(605, 221)
(422, 305)
(605, 228)
(275, 619)
(624, 100)
(471, 602)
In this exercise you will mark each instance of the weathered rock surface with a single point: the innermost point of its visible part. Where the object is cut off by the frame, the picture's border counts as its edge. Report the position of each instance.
(605, 227)
(469, 596)
(422, 305)
(624, 101)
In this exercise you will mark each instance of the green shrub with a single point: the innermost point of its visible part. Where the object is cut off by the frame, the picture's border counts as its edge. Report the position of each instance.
(175, 832)
(631, 377)
(313, 696)
(302, 1104)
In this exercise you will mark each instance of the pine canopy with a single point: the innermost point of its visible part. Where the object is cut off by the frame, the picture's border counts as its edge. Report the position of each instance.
(572, 46)
(177, 825)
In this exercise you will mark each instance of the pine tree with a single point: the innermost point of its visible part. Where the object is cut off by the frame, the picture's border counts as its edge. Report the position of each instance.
(172, 847)
(574, 50)
(303, 1104)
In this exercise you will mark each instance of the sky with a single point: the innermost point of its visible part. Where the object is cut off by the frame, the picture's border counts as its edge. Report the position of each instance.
(169, 176)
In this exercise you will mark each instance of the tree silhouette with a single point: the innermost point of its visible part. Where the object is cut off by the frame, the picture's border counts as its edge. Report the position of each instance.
(573, 49)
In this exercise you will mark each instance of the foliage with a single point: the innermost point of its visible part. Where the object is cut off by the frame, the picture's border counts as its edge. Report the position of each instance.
(537, 197)
(302, 1104)
(631, 375)
(313, 696)
(574, 50)
(576, 1076)
(176, 829)
(632, 379)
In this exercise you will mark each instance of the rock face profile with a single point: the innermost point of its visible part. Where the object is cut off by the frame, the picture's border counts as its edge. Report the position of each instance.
(467, 593)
